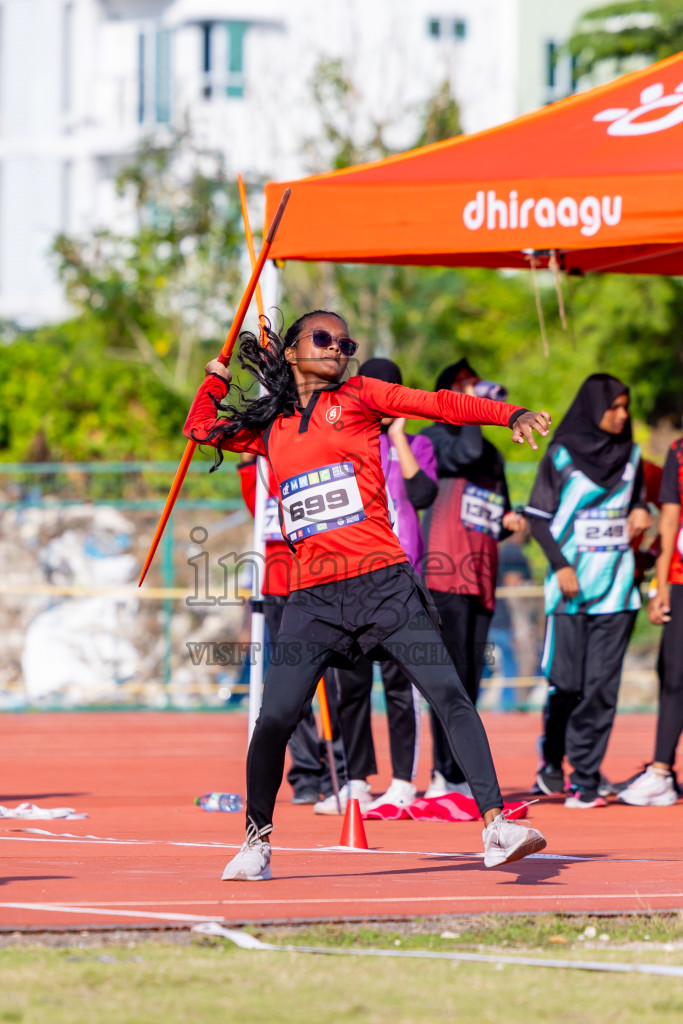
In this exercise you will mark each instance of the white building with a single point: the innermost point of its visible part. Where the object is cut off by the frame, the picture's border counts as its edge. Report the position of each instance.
(82, 81)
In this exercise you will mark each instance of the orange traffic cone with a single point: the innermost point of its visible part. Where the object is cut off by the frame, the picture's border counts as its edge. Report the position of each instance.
(353, 833)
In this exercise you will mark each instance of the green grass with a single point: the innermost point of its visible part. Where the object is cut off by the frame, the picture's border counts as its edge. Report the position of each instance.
(519, 933)
(187, 978)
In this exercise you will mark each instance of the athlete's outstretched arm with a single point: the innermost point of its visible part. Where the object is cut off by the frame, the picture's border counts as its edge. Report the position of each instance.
(452, 407)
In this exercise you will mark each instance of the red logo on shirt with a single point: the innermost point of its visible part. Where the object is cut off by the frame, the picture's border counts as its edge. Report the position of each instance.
(333, 413)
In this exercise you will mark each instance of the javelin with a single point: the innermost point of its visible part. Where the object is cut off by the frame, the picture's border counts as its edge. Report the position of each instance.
(224, 358)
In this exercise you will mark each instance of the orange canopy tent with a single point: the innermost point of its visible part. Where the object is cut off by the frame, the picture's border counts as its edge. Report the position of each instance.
(596, 178)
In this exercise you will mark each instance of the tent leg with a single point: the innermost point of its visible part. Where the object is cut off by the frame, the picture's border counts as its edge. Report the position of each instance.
(269, 285)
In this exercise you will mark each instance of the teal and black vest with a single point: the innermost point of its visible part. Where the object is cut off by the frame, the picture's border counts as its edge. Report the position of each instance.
(590, 527)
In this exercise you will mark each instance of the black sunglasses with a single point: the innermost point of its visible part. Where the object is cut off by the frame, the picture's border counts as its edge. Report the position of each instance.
(323, 339)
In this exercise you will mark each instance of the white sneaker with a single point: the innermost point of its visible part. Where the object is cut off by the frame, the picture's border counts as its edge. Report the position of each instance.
(506, 841)
(651, 789)
(399, 794)
(359, 788)
(252, 863)
(440, 787)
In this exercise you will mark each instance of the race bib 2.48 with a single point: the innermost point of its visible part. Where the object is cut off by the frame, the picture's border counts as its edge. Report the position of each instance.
(601, 529)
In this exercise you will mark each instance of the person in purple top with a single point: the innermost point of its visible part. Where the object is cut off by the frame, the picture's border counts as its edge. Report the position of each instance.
(409, 465)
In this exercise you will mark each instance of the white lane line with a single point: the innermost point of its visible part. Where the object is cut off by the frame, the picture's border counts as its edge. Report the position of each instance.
(56, 904)
(68, 837)
(366, 902)
(133, 903)
(56, 837)
(110, 913)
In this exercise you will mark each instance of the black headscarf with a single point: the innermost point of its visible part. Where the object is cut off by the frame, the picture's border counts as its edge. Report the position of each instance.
(462, 450)
(447, 376)
(381, 369)
(601, 456)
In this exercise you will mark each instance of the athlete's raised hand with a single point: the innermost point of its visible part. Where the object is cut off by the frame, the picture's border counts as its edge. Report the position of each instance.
(219, 368)
(524, 426)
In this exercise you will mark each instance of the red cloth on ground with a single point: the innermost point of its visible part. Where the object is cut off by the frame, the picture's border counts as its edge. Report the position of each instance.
(450, 807)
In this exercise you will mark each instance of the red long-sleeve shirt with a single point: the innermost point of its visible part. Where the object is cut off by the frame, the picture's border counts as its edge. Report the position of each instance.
(326, 463)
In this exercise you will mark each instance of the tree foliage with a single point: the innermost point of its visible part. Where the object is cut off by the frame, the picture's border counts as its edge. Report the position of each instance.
(646, 29)
(157, 287)
(61, 398)
(153, 297)
(342, 140)
(636, 325)
(347, 135)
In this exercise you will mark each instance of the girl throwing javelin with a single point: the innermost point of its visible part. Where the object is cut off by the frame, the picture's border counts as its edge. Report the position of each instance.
(354, 591)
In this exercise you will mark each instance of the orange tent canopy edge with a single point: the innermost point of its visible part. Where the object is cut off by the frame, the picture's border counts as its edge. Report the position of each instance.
(597, 178)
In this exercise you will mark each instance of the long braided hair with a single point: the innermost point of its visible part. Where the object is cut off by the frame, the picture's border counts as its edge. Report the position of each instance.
(265, 361)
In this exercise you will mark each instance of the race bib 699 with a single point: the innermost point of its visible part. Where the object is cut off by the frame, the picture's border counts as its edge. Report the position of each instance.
(323, 499)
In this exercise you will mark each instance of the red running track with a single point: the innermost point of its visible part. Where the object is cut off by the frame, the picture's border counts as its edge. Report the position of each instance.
(147, 856)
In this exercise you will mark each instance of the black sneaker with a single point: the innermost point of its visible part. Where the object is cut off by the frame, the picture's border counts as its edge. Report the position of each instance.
(584, 799)
(550, 780)
(306, 796)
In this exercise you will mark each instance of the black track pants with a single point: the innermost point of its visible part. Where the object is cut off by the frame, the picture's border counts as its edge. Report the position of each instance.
(354, 710)
(582, 662)
(464, 628)
(670, 668)
(310, 771)
(306, 647)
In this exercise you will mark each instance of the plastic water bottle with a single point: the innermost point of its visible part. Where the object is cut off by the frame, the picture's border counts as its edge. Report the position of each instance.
(489, 389)
(230, 802)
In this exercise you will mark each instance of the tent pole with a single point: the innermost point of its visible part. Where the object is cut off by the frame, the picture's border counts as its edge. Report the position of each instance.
(269, 285)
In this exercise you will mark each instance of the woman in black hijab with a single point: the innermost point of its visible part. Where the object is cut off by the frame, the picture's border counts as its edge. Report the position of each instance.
(587, 429)
(587, 504)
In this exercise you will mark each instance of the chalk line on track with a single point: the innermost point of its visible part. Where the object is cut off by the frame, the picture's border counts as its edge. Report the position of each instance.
(155, 915)
(42, 835)
(495, 898)
(228, 901)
